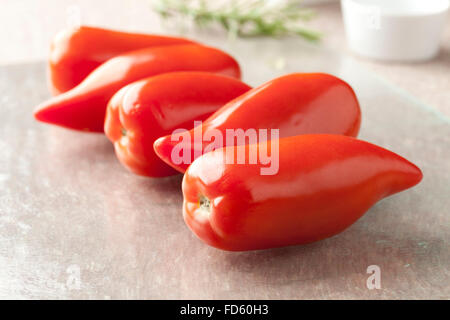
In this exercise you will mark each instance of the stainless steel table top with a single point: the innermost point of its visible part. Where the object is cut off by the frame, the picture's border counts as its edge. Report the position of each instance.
(75, 224)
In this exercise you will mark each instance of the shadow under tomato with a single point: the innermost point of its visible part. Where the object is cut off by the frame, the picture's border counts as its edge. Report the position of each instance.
(341, 262)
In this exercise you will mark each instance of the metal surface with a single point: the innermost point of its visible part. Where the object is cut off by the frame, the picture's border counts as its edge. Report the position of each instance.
(75, 224)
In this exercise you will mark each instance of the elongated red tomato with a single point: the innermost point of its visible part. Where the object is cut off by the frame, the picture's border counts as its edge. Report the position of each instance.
(322, 184)
(150, 108)
(295, 104)
(84, 107)
(76, 52)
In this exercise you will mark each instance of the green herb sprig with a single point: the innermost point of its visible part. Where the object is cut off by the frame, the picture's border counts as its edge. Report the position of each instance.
(244, 18)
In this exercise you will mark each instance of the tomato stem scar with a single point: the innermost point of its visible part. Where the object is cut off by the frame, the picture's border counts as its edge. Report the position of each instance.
(204, 203)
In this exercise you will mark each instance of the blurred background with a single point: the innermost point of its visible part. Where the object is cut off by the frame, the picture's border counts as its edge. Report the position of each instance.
(27, 26)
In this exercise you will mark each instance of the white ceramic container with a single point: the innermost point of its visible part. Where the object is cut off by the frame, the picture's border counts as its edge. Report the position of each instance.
(397, 30)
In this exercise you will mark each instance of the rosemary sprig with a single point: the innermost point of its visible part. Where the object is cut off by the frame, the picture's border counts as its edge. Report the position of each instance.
(244, 17)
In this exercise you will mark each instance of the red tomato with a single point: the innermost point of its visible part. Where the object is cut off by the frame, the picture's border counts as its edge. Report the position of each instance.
(76, 52)
(295, 104)
(84, 107)
(324, 183)
(145, 110)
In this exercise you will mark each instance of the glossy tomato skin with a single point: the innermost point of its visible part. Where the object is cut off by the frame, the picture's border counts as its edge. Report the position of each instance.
(76, 52)
(150, 108)
(323, 185)
(83, 107)
(298, 103)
